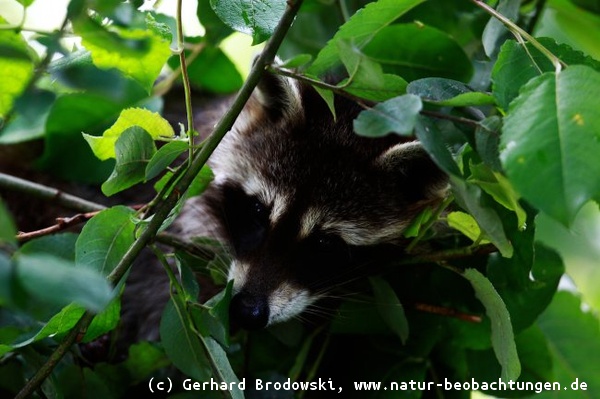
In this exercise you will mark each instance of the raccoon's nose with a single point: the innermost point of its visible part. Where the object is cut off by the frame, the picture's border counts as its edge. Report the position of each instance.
(249, 311)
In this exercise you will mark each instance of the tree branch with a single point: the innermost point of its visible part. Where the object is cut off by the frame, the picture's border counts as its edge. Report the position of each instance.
(48, 193)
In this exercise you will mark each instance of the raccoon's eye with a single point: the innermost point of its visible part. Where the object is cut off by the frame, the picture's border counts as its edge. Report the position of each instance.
(246, 218)
(258, 210)
(329, 243)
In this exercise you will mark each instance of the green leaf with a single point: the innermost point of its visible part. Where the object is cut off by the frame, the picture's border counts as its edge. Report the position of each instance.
(29, 122)
(253, 17)
(60, 245)
(134, 149)
(144, 359)
(574, 339)
(466, 224)
(390, 308)
(503, 340)
(181, 343)
(66, 154)
(8, 230)
(528, 280)
(436, 140)
(296, 61)
(60, 323)
(535, 358)
(26, 3)
(471, 198)
(223, 370)
(415, 51)
(417, 223)
(447, 92)
(495, 33)
(209, 322)
(328, 97)
(360, 29)
(388, 87)
(568, 23)
(154, 124)
(496, 185)
(216, 30)
(57, 281)
(164, 157)
(366, 78)
(487, 141)
(517, 64)
(6, 282)
(578, 248)
(397, 115)
(16, 62)
(105, 239)
(137, 53)
(551, 141)
(103, 322)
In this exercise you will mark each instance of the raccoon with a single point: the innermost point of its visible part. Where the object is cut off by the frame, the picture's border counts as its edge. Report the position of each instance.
(302, 202)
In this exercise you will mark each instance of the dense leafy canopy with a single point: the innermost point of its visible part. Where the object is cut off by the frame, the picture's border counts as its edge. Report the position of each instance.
(511, 116)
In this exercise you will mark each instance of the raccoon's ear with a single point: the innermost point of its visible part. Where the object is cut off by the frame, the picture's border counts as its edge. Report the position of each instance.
(418, 176)
(278, 95)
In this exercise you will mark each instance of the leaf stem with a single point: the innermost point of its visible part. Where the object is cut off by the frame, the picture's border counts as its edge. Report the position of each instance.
(186, 82)
(521, 34)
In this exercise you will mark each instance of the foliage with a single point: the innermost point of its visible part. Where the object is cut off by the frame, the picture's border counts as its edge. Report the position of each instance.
(511, 117)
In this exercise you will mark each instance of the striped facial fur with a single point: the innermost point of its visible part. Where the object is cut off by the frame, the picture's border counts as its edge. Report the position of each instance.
(302, 201)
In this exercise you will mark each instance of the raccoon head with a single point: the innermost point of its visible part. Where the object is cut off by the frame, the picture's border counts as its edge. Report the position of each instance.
(301, 200)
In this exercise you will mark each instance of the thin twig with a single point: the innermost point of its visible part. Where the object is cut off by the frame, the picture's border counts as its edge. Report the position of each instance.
(447, 312)
(449, 254)
(61, 224)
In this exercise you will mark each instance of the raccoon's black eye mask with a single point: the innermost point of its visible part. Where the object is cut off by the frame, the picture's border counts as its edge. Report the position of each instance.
(246, 218)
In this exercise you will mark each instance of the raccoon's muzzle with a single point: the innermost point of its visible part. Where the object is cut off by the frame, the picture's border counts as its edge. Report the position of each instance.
(248, 311)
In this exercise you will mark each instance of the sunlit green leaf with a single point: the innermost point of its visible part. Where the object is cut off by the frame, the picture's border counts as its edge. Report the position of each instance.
(154, 124)
(137, 53)
(465, 223)
(16, 63)
(134, 149)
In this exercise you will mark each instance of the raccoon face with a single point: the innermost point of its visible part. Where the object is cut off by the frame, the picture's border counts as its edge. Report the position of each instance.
(302, 201)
